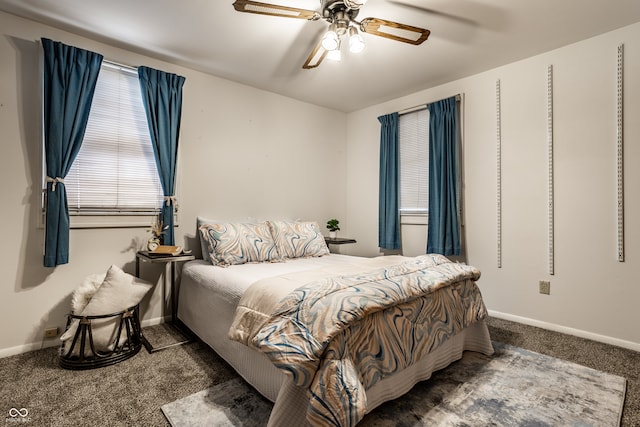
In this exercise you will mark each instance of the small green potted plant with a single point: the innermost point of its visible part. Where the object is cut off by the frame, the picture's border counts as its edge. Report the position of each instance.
(334, 226)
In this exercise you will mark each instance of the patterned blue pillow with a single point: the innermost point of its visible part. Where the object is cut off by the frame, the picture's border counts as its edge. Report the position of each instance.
(238, 243)
(298, 239)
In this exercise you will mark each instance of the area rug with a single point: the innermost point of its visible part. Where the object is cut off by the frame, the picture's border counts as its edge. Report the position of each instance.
(512, 387)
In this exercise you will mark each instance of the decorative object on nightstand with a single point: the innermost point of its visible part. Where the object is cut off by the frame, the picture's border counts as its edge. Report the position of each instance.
(334, 226)
(153, 244)
(166, 250)
(157, 230)
(170, 263)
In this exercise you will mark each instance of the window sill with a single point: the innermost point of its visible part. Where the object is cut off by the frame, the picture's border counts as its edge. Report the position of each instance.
(414, 219)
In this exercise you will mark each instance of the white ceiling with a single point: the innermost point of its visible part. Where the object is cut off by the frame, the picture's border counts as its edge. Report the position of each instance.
(467, 37)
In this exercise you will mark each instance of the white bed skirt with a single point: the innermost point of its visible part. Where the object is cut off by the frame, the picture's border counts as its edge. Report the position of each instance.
(209, 317)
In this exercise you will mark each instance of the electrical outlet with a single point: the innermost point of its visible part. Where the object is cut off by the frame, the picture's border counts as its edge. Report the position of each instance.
(51, 332)
(545, 287)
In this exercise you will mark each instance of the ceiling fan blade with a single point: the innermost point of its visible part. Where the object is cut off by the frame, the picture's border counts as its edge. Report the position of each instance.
(395, 31)
(316, 57)
(465, 12)
(274, 10)
(431, 11)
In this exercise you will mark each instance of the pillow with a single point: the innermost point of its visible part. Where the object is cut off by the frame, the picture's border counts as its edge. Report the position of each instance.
(118, 291)
(203, 244)
(83, 294)
(79, 300)
(298, 239)
(232, 243)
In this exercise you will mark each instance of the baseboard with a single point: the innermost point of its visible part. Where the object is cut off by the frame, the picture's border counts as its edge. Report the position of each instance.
(25, 348)
(566, 330)
(55, 342)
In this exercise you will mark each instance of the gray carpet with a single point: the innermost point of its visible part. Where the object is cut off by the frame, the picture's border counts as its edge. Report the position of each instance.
(514, 387)
(132, 392)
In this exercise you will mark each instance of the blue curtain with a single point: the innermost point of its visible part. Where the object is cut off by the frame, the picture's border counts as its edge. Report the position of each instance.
(70, 76)
(162, 99)
(388, 209)
(443, 230)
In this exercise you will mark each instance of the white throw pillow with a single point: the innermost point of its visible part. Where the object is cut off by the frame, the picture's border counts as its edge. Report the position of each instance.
(80, 298)
(83, 294)
(118, 291)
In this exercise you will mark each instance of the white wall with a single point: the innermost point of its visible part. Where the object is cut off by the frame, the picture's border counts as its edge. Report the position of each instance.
(243, 152)
(592, 294)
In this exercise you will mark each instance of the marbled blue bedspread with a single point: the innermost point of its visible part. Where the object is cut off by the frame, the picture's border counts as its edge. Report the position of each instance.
(340, 335)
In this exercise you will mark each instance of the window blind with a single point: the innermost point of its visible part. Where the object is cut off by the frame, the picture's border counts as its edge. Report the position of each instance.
(413, 138)
(115, 170)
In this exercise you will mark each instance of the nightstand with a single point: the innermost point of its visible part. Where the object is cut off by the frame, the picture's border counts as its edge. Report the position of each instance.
(338, 240)
(170, 263)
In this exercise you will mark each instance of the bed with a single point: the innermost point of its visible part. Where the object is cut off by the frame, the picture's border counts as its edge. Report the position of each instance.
(258, 314)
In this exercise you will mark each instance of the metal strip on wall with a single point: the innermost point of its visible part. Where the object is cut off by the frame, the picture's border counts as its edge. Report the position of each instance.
(550, 165)
(499, 173)
(620, 153)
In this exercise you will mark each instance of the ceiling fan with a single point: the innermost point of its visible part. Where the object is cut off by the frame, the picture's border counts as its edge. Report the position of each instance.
(341, 16)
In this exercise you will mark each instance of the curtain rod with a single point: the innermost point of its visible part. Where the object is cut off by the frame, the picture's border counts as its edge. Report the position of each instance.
(424, 106)
(124, 67)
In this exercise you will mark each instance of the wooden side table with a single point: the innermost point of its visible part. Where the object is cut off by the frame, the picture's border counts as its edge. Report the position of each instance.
(170, 262)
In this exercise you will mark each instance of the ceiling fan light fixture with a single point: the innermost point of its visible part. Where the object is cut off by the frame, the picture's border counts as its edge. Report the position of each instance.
(331, 41)
(356, 43)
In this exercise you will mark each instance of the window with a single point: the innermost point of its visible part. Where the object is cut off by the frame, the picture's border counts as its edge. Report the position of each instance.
(413, 142)
(114, 174)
